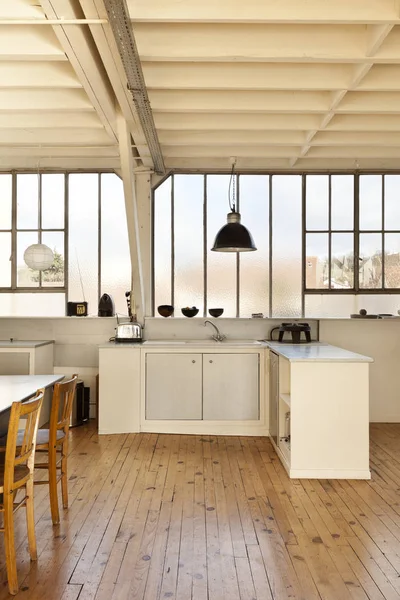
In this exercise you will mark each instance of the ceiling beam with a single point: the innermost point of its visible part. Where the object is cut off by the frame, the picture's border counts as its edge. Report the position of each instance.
(269, 11)
(242, 42)
(11, 100)
(85, 60)
(106, 46)
(376, 36)
(29, 44)
(232, 121)
(246, 76)
(241, 101)
(49, 120)
(40, 75)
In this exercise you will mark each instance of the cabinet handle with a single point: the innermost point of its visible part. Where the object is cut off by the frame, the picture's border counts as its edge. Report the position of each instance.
(193, 361)
(210, 361)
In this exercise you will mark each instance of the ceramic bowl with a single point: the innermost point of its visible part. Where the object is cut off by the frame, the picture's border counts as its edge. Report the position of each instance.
(190, 312)
(165, 310)
(215, 312)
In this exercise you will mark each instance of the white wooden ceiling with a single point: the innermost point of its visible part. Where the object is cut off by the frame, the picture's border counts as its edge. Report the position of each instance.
(55, 109)
(279, 84)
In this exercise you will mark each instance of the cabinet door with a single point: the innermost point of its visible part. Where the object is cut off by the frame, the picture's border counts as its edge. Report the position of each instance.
(230, 387)
(173, 386)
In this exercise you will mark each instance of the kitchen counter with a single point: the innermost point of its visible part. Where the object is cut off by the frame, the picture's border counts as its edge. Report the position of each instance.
(24, 343)
(316, 352)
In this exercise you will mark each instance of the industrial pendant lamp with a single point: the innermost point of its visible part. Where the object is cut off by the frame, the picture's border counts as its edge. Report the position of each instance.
(233, 237)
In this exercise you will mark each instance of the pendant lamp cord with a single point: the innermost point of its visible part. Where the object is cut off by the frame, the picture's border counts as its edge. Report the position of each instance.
(232, 181)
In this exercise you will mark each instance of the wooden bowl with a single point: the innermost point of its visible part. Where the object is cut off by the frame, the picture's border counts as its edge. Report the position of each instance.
(190, 312)
(216, 312)
(165, 310)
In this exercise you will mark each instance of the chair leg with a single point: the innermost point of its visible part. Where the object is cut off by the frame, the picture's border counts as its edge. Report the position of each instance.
(55, 515)
(64, 473)
(11, 563)
(30, 520)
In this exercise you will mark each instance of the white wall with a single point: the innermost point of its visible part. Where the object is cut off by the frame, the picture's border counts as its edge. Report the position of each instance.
(243, 329)
(76, 343)
(380, 339)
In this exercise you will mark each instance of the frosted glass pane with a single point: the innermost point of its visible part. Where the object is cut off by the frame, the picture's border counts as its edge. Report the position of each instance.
(317, 261)
(329, 306)
(370, 260)
(5, 259)
(188, 220)
(342, 271)
(25, 276)
(5, 204)
(54, 277)
(392, 202)
(53, 192)
(383, 303)
(221, 266)
(286, 245)
(254, 266)
(27, 202)
(162, 245)
(370, 202)
(317, 202)
(115, 255)
(83, 239)
(392, 260)
(32, 305)
(342, 202)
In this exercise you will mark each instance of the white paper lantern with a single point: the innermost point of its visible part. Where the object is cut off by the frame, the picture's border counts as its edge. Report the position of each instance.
(39, 257)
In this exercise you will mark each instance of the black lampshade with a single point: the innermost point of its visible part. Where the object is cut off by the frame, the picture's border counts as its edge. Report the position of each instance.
(234, 237)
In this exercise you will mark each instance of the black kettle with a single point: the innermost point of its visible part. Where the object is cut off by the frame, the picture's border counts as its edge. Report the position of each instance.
(106, 306)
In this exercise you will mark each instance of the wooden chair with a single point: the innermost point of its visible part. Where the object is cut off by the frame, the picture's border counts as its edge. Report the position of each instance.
(16, 473)
(55, 439)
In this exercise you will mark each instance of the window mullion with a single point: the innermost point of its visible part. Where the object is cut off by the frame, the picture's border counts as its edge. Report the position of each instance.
(14, 232)
(357, 233)
(330, 232)
(383, 232)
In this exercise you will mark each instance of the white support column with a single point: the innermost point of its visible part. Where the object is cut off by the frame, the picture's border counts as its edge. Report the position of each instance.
(128, 179)
(143, 201)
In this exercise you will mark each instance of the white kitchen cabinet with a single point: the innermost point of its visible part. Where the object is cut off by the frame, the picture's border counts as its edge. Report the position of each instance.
(173, 386)
(230, 387)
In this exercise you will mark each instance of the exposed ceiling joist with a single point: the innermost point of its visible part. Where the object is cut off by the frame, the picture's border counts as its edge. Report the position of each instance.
(108, 51)
(268, 11)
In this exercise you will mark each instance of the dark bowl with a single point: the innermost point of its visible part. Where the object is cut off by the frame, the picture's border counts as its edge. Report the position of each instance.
(165, 310)
(215, 312)
(189, 312)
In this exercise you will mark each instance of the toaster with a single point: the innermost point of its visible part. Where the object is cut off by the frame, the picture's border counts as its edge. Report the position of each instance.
(128, 332)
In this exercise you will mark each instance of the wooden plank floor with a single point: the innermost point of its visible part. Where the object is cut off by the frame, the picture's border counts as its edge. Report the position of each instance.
(212, 518)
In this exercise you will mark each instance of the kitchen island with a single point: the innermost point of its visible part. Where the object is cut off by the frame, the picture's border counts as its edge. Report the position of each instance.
(230, 388)
(319, 410)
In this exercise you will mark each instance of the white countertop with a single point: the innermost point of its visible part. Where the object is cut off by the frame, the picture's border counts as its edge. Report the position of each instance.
(24, 343)
(316, 352)
(209, 344)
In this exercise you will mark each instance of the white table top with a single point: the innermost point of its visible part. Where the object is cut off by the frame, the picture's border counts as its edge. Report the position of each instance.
(17, 388)
(24, 343)
(317, 352)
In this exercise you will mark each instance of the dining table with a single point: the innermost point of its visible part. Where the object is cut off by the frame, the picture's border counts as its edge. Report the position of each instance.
(19, 388)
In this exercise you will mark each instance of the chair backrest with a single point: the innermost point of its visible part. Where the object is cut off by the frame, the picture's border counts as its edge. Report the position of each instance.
(23, 454)
(61, 407)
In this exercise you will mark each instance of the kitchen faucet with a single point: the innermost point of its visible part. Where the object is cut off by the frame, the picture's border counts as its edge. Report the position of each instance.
(218, 337)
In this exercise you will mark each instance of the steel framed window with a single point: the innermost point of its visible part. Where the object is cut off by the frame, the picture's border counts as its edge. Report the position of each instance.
(333, 232)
